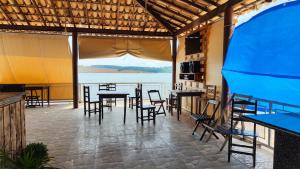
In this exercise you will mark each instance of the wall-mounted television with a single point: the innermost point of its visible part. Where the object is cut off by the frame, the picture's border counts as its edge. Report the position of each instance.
(193, 43)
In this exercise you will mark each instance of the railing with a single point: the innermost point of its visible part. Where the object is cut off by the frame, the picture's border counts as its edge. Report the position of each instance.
(129, 88)
(266, 135)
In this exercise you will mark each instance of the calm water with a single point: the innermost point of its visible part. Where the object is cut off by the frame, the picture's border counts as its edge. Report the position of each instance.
(125, 78)
(157, 81)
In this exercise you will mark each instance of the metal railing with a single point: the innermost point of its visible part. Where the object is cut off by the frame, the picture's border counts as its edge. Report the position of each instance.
(128, 88)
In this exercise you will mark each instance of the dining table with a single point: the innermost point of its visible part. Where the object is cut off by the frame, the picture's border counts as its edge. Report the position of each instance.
(40, 88)
(112, 95)
(179, 94)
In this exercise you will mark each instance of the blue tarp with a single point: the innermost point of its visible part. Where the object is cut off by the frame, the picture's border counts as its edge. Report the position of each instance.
(263, 59)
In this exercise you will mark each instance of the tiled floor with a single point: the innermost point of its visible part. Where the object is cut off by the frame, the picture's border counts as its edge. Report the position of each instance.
(76, 141)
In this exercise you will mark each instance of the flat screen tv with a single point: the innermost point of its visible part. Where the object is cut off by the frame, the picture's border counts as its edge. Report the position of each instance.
(193, 43)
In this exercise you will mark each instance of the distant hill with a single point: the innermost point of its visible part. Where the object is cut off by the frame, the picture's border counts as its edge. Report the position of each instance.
(123, 69)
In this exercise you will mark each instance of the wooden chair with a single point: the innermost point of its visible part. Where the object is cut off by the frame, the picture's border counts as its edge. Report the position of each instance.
(151, 114)
(210, 93)
(228, 126)
(88, 104)
(132, 99)
(172, 100)
(106, 87)
(33, 99)
(155, 100)
(205, 116)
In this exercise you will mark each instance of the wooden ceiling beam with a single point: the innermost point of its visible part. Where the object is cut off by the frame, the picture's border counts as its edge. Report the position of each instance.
(117, 15)
(21, 12)
(166, 8)
(39, 12)
(155, 15)
(212, 2)
(208, 16)
(86, 13)
(70, 14)
(83, 30)
(171, 17)
(55, 12)
(8, 19)
(195, 5)
(180, 8)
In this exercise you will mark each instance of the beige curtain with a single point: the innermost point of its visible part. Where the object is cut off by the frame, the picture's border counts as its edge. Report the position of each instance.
(36, 59)
(95, 47)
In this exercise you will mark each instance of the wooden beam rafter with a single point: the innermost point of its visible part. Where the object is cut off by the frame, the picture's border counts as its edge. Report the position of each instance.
(55, 12)
(208, 16)
(82, 30)
(212, 2)
(166, 8)
(70, 14)
(156, 16)
(39, 12)
(87, 19)
(7, 17)
(180, 8)
(21, 12)
(196, 5)
(117, 15)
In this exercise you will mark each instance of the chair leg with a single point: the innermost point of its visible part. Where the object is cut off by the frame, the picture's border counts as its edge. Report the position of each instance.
(224, 144)
(195, 128)
(154, 116)
(149, 111)
(229, 147)
(254, 151)
(142, 117)
(203, 134)
(163, 109)
(137, 114)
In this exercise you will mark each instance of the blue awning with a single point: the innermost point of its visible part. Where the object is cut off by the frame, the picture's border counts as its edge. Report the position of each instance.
(263, 58)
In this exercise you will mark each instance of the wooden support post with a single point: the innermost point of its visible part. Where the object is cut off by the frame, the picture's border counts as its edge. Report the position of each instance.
(75, 69)
(174, 55)
(228, 17)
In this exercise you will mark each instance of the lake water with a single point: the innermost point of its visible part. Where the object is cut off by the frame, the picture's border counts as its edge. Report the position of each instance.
(125, 78)
(150, 81)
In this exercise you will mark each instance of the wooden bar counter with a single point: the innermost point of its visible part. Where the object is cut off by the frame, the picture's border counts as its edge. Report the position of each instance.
(12, 121)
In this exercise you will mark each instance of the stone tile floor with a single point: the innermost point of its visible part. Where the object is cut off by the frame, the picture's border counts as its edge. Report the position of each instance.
(76, 141)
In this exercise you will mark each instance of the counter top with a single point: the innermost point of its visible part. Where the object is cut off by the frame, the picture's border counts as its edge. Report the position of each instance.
(10, 97)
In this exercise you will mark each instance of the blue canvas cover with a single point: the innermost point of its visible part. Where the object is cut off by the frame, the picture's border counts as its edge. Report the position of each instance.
(263, 59)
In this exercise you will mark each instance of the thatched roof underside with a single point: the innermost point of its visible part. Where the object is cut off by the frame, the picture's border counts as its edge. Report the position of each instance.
(165, 17)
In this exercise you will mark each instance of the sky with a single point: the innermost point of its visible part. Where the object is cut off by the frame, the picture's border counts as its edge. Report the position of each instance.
(129, 60)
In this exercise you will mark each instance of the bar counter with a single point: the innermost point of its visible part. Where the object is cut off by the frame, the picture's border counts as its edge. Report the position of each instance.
(12, 121)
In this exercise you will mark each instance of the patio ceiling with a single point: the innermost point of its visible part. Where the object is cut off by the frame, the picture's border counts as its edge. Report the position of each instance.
(132, 17)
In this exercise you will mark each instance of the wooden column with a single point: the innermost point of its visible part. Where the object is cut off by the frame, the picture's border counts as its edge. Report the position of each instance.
(174, 55)
(228, 18)
(75, 68)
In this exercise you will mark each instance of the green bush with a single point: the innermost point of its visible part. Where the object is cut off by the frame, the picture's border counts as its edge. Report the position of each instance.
(33, 156)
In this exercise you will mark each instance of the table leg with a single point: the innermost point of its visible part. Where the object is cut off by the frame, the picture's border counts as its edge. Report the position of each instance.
(125, 103)
(42, 93)
(178, 106)
(100, 110)
(191, 104)
(31, 100)
(102, 107)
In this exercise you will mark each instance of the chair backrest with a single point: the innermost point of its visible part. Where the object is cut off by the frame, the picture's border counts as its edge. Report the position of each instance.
(154, 95)
(139, 98)
(211, 91)
(212, 105)
(112, 86)
(86, 94)
(103, 87)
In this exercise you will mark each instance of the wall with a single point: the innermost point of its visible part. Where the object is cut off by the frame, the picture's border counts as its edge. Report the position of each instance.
(214, 60)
